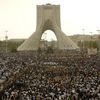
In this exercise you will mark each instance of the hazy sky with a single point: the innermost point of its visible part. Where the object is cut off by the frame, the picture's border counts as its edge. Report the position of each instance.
(19, 16)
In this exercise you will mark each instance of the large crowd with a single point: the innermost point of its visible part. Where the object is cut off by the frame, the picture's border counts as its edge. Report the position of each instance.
(57, 76)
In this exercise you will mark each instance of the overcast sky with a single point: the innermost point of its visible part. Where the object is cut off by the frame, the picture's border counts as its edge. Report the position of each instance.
(18, 17)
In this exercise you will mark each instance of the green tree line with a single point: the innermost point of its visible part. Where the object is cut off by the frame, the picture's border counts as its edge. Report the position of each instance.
(88, 44)
(11, 46)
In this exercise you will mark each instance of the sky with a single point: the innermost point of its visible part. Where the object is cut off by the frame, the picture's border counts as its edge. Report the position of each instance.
(18, 17)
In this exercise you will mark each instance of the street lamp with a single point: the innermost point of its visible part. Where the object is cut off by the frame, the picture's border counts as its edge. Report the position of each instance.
(83, 32)
(6, 40)
(45, 40)
(91, 35)
(91, 40)
(98, 33)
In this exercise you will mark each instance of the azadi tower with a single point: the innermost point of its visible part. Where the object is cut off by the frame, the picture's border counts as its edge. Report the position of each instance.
(48, 18)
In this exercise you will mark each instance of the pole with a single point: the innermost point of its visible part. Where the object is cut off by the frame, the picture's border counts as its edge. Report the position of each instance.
(91, 40)
(83, 32)
(6, 40)
(45, 38)
(98, 33)
(91, 35)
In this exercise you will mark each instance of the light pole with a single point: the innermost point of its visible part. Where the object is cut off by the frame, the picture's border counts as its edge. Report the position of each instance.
(98, 33)
(91, 35)
(83, 32)
(45, 40)
(6, 40)
(91, 40)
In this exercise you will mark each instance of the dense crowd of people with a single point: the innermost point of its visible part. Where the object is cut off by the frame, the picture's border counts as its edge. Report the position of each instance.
(57, 76)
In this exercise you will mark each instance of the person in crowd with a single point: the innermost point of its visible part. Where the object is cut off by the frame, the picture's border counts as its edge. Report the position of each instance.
(57, 76)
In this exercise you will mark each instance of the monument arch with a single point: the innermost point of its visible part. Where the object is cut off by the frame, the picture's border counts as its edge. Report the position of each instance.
(48, 18)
